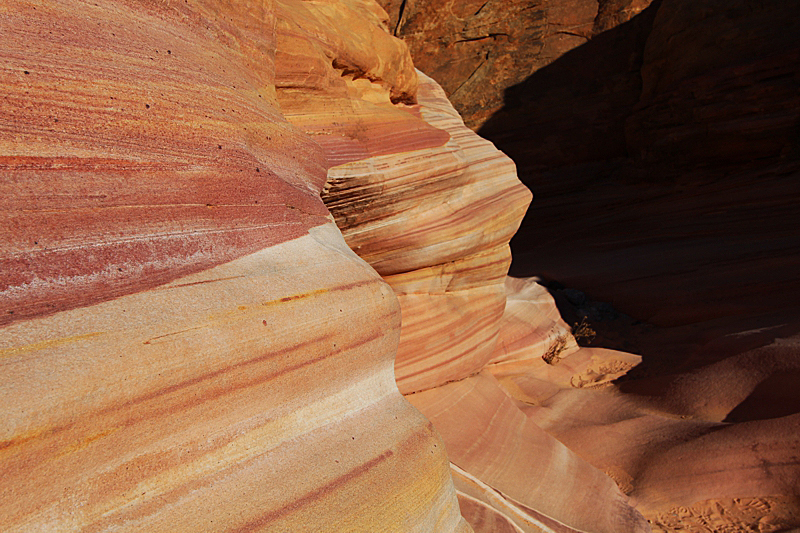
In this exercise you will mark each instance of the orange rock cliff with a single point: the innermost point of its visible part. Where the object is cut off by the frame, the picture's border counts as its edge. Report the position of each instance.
(187, 342)
(254, 279)
(660, 139)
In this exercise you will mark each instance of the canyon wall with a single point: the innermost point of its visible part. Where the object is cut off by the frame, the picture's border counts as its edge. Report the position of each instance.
(619, 115)
(442, 246)
(663, 150)
(254, 279)
(478, 49)
(187, 342)
(660, 142)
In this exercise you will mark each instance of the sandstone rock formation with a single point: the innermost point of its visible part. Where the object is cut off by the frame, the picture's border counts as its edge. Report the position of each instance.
(442, 245)
(187, 342)
(443, 248)
(663, 153)
(189, 345)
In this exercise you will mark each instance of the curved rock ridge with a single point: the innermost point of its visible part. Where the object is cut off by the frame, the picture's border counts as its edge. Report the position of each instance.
(158, 403)
(442, 247)
(187, 343)
(531, 324)
(435, 223)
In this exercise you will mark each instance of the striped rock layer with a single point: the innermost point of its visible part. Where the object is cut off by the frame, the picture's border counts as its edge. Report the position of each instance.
(186, 341)
(435, 223)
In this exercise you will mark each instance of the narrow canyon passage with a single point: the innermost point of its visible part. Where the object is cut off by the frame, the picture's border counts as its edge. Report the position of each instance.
(660, 140)
(254, 266)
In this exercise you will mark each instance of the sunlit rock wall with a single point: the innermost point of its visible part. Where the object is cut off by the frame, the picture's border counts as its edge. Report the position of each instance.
(442, 247)
(442, 244)
(187, 344)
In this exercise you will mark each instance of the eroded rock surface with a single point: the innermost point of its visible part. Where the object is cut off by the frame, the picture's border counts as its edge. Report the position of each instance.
(442, 245)
(187, 342)
(443, 248)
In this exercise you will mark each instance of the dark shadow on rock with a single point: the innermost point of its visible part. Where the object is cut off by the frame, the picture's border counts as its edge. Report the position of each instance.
(775, 397)
(572, 112)
(679, 206)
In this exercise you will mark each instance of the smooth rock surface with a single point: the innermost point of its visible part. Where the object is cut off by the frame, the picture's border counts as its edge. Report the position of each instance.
(178, 307)
(530, 468)
(442, 247)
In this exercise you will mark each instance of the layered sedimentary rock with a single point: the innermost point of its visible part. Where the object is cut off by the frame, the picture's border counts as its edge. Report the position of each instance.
(442, 247)
(664, 158)
(442, 244)
(187, 342)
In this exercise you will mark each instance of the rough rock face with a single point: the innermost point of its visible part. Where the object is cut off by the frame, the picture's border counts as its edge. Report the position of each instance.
(187, 342)
(681, 86)
(720, 87)
(571, 112)
(477, 49)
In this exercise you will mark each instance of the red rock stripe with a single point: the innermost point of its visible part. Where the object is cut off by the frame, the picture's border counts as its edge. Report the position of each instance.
(79, 277)
(263, 521)
(217, 373)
